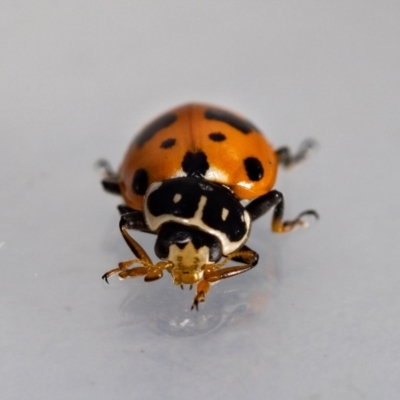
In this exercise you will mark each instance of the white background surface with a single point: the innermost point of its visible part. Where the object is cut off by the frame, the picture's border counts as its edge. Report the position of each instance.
(319, 316)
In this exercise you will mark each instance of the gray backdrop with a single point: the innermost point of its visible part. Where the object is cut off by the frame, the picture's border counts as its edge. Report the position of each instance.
(319, 316)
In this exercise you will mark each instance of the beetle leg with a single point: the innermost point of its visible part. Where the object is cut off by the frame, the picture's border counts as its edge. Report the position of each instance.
(137, 250)
(246, 255)
(274, 199)
(214, 273)
(133, 219)
(288, 160)
(202, 289)
(110, 179)
(124, 272)
(124, 209)
(150, 271)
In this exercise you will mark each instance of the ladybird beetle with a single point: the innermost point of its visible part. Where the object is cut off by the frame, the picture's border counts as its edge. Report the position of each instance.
(186, 178)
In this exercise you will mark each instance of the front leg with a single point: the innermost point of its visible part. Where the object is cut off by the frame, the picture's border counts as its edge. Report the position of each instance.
(214, 273)
(150, 271)
(274, 199)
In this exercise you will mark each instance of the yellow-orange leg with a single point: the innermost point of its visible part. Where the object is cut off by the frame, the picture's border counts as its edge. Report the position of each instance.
(124, 272)
(202, 289)
(279, 226)
(150, 271)
(213, 273)
(274, 199)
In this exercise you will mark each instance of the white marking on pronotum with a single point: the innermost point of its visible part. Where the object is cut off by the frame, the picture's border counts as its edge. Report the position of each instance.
(200, 207)
(177, 198)
(224, 214)
(154, 222)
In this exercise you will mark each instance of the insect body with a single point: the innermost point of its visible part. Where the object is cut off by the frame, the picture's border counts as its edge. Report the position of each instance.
(183, 179)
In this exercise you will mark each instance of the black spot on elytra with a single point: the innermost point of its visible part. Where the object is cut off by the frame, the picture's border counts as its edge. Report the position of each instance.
(140, 182)
(154, 127)
(242, 125)
(195, 164)
(217, 137)
(254, 168)
(166, 144)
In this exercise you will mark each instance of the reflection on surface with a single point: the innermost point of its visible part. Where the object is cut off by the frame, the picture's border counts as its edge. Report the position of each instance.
(165, 308)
